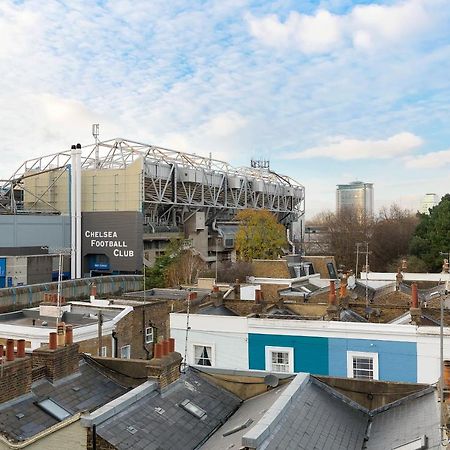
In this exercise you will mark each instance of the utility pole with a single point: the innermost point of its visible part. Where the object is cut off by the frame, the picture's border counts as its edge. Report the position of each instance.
(357, 259)
(100, 325)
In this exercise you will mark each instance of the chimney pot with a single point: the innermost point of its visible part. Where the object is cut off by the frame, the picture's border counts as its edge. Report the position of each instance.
(332, 294)
(257, 296)
(165, 346)
(93, 293)
(10, 350)
(171, 345)
(53, 343)
(1, 351)
(215, 288)
(69, 335)
(21, 348)
(60, 331)
(415, 296)
(157, 351)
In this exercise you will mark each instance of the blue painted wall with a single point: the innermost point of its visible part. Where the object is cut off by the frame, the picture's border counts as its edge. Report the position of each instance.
(397, 361)
(310, 353)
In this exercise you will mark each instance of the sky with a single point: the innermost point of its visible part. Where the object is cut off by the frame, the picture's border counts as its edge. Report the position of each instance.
(329, 91)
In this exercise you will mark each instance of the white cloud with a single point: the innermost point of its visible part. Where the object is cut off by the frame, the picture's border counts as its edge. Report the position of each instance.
(348, 149)
(311, 34)
(364, 27)
(431, 160)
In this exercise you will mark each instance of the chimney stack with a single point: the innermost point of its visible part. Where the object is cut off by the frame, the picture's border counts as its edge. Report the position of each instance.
(16, 372)
(415, 310)
(166, 363)
(59, 360)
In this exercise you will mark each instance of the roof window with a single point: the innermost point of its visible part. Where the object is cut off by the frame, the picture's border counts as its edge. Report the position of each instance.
(193, 409)
(53, 409)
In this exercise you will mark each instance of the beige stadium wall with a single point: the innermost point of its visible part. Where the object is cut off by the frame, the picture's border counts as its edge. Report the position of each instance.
(102, 190)
(112, 189)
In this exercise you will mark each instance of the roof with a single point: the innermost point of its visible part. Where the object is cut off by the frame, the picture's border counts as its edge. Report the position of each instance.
(217, 311)
(158, 420)
(229, 435)
(312, 415)
(85, 390)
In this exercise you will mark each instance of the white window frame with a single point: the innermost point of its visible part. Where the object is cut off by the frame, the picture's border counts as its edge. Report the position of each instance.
(128, 351)
(213, 354)
(104, 351)
(147, 334)
(373, 355)
(288, 350)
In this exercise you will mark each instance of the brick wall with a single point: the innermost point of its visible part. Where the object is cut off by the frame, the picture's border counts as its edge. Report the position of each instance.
(91, 345)
(58, 363)
(166, 369)
(16, 378)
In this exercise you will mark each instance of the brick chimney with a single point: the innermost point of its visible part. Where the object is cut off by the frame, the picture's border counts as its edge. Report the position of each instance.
(237, 288)
(332, 309)
(258, 305)
(59, 358)
(165, 366)
(415, 309)
(16, 371)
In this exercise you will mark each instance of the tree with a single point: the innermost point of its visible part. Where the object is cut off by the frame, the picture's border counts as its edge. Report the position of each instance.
(432, 235)
(389, 236)
(259, 235)
(177, 266)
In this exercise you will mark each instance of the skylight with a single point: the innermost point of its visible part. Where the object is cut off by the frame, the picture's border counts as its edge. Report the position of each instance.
(53, 409)
(193, 409)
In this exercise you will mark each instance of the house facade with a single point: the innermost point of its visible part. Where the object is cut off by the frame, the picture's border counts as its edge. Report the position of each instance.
(387, 352)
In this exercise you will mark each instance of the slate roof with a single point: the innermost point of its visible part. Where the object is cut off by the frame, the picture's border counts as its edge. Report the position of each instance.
(319, 421)
(217, 311)
(157, 421)
(86, 390)
(311, 415)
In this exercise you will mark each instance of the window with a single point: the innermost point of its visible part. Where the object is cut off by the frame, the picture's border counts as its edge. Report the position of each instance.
(362, 365)
(125, 352)
(193, 409)
(280, 359)
(149, 335)
(104, 351)
(203, 355)
(53, 409)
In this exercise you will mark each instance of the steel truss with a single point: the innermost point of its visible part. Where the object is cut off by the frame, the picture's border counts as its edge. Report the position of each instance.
(176, 184)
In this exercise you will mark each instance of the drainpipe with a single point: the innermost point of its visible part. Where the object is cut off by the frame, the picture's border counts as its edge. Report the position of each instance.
(114, 336)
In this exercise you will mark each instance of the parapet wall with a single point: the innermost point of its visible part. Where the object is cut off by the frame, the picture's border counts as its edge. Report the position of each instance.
(17, 298)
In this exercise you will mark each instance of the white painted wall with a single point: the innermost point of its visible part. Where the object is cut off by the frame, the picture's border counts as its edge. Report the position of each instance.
(227, 335)
(407, 276)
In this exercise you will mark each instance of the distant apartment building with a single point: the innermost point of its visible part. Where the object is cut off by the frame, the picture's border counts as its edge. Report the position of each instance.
(356, 197)
(429, 201)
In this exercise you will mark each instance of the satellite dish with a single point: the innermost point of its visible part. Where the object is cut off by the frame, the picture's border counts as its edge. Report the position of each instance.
(271, 380)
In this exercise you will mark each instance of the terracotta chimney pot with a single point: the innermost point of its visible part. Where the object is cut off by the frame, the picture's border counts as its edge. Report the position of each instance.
(332, 294)
(414, 296)
(69, 335)
(165, 345)
(10, 350)
(21, 348)
(157, 351)
(53, 343)
(171, 345)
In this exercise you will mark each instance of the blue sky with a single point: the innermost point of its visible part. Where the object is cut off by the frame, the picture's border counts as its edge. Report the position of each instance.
(329, 91)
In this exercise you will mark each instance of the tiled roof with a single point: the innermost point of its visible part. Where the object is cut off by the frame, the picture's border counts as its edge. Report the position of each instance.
(86, 390)
(311, 415)
(157, 421)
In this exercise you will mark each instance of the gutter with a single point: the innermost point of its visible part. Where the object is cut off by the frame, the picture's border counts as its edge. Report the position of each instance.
(42, 434)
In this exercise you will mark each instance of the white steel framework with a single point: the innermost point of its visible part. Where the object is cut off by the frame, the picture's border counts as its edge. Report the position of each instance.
(175, 184)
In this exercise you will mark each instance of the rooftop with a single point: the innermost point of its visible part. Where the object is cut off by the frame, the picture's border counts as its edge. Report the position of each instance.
(86, 390)
(181, 417)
